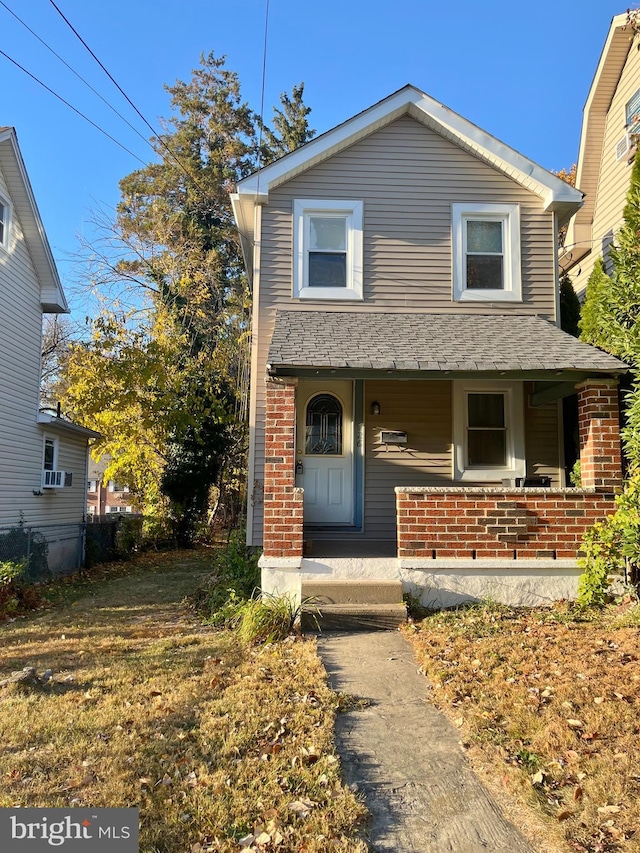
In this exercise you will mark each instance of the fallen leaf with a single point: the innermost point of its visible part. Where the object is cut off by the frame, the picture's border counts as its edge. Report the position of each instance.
(537, 778)
(246, 841)
(575, 724)
(301, 807)
(563, 814)
(608, 809)
(577, 793)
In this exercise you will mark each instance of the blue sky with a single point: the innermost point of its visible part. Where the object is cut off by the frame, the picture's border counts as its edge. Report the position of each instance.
(519, 71)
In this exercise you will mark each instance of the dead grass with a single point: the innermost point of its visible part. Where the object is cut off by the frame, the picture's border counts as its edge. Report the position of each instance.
(551, 700)
(213, 740)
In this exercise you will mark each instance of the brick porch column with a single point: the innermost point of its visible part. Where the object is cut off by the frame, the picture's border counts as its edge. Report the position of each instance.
(599, 425)
(282, 500)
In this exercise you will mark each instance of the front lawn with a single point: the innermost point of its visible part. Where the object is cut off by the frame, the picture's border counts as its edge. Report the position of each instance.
(216, 742)
(549, 700)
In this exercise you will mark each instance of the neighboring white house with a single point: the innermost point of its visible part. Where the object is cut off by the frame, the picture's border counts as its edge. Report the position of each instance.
(43, 458)
(608, 141)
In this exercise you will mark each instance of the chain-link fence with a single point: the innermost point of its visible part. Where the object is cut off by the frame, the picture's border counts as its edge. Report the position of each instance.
(111, 537)
(47, 551)
(44, 551)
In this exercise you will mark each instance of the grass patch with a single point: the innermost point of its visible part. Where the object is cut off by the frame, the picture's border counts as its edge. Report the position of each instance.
(213, 739)
(550, 700)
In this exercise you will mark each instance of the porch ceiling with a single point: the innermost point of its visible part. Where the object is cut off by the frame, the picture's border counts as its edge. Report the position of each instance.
(361, 343)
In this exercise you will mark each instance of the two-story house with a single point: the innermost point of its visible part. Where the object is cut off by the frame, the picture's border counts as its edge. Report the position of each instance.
(43, 457)
(608, 142)
(408, 366)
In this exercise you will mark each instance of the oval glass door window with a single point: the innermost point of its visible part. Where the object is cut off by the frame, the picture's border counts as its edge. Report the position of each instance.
(324, 426)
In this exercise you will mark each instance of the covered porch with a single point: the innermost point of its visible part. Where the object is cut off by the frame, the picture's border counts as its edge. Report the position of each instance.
(441, 467)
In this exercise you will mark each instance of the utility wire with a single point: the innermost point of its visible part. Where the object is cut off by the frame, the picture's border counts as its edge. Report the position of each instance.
(186, 171)
(71, 107)
(73, 71)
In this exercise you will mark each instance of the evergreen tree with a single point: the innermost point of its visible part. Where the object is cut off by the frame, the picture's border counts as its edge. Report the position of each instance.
(569, 307)
(291, 126)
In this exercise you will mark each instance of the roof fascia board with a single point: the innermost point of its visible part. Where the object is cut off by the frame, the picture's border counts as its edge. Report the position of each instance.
(567, 375)
(52, 294)
(54, 422)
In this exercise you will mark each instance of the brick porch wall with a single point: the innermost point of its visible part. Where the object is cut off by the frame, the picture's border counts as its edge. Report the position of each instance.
(283, 513)
(475, 523)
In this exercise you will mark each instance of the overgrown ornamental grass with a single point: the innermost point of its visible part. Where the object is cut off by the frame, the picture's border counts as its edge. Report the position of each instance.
(215, 740)
(550, 699)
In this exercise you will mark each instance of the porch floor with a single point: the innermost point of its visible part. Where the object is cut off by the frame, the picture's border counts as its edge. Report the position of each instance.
(349, 547)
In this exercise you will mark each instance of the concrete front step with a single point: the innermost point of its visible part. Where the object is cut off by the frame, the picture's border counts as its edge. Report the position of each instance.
(356, 592)
(353, 617)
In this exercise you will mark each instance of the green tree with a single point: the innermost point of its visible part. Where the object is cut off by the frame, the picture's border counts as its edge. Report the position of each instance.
(173, 370)
(596, 318)
(569, 307)
(291, 126)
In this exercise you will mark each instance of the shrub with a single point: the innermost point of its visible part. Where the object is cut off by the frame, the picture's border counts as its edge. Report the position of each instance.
(235, 578)
(262, 618)
(612, 549)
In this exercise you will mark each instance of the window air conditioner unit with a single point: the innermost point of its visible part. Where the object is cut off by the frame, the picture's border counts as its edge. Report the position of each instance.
(53, 479)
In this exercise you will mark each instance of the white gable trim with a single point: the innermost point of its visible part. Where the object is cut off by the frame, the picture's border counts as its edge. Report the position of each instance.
(555, 193)
(26, 210)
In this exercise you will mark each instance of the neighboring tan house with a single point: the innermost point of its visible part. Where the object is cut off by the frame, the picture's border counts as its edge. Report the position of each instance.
(610, 128)
(407, 366)
(106, 498)
(43, 458)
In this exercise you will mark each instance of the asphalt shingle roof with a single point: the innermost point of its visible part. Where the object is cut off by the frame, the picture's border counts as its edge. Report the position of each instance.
(429, 342)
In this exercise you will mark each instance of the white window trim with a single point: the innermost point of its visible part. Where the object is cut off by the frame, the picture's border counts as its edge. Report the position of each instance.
(514, 422)
(509, 214)
(352, 210)
(4, 243)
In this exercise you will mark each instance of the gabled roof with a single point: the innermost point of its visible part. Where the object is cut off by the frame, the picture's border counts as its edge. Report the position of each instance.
(25, 209)
(603, 87)
(431, 344)
(254, 189)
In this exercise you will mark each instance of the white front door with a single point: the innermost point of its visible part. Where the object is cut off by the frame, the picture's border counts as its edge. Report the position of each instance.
(325, 451)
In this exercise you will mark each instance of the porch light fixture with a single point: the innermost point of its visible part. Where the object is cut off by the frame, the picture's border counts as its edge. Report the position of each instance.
(375, 408)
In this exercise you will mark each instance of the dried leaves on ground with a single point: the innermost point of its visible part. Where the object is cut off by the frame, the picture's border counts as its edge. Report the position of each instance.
(551, 701)
(222, 746)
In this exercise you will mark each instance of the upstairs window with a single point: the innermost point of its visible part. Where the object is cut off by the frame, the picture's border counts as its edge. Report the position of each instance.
(486, 252)
(327, 240)
(5, 220)
(632, 114)
(50, 454)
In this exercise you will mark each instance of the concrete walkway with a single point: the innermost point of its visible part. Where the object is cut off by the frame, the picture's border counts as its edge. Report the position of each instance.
(405, 757)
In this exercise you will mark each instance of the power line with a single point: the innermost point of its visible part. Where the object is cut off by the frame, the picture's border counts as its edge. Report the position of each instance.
(186, 171)
(71, 107)
(73, 71)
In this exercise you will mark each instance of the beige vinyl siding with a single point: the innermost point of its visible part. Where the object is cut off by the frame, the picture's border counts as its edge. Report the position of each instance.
(422, 409)
(21, 437)
(407, 176)
(542, 437)
(614, 175)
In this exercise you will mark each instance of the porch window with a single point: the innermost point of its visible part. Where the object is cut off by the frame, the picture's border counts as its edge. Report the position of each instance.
(486, 252)
(488, 427)
(327, 249)
(486, 431)
(324, 426)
